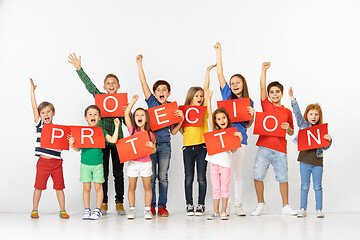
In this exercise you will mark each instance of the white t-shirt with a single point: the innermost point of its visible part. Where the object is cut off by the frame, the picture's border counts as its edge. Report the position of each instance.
(222, 159)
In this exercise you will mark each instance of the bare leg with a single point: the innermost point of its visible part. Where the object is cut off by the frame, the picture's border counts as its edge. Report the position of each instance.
(131, 191)
(216, 205)
(284, 191)
(36, 198)
(259, 188)
(224, 202)
(147, 189)
(99, 194)
(86, 194)
(61, 199)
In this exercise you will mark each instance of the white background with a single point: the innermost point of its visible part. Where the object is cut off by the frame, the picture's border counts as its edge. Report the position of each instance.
(313, 47)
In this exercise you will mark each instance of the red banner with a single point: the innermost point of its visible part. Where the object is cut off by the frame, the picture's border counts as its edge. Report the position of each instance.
(163, 116)
(111, 105)
(88, 137)
(269, 124)
(194, 115)
(237, 109)
(221, 140)
(55, 137)
(313, 137)
(133, 147)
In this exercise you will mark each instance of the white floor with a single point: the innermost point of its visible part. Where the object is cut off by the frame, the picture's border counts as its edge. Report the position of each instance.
(178, 226)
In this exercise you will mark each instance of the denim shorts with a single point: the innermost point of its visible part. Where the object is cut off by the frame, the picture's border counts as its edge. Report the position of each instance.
(265, 157)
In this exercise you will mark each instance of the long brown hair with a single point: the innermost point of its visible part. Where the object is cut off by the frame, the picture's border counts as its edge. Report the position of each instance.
(312, 107)
(220, 110)
(147, 124)
(245, 91)
(191, 93)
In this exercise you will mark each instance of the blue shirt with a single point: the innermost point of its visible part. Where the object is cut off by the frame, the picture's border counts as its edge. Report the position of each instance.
(241, 126)
(162, 134)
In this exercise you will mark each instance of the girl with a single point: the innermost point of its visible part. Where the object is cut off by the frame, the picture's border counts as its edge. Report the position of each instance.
(194, 151)
(138, 122)
(237, 89)
(220, 163)
(311, 161)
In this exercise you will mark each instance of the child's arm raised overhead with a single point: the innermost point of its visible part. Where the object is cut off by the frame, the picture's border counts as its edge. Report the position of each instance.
(208, 95)
(175, 128)
(144, 85)
(263, 92)
(219, 65)
(76, 62)
(114, 137)
(128, 111)
(33, 101)
(207, 77)
(296, 109)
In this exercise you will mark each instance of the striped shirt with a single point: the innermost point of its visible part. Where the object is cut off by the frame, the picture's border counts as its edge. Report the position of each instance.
(53, 153)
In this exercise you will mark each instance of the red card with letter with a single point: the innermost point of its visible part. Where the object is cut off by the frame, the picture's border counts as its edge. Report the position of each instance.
(237, 109)
(269, 124)
(194, 115)
(313, 137)
(221, 140)
(133, 147)
(111, 105)
(163, 116)
(55, 137)
(88, 137)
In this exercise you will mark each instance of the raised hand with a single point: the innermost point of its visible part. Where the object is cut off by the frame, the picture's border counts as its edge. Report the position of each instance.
(76, 62)
(217, 47)
(291, 93)
(33, 86)
(210, 67)
(208, 94)
(139, 58)
(135, 97)
(266, 65)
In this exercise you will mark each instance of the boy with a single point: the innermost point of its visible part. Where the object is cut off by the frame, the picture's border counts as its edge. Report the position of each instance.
(111, 85)
(91, 168)
(161, 158)
(272, 150)
(50, 162)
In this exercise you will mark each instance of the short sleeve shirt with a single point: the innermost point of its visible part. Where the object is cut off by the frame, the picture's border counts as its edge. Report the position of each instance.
(92, 156)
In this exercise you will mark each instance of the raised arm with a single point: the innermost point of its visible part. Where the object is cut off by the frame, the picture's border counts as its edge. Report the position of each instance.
(128, 111)
(76, 62)
(33, 101)
(207, 77)
(263, 92)
(114, 137)
(144, 85)
(296, 110)
(208, 95)
(219, 65)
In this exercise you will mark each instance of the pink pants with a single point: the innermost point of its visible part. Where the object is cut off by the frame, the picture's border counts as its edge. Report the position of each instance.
(220, 180)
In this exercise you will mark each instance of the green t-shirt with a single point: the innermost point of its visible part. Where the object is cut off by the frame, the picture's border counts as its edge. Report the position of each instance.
(92, 156)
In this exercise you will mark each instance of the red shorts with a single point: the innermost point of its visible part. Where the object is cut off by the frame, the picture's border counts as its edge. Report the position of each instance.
(46, 168)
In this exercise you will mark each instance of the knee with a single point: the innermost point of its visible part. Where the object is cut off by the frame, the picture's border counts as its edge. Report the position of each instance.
(305, 187)
(317, 187)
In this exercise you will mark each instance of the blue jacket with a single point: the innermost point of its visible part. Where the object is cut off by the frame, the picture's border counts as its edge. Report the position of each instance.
(304, 124)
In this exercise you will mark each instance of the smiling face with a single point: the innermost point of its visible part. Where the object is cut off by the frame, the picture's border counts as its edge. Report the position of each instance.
(140, 118)
(236, 86)
(162, 93)
(313, 116)
(275, 95)
(111, 85)
(92, 117)
(47, 114)
(221, 120)
(198, 98)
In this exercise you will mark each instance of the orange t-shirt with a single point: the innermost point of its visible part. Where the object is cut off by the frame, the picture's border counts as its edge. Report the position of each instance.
(275, 143)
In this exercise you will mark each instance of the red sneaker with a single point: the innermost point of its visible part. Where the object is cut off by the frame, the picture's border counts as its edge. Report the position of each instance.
(153, 211)
(163, 212)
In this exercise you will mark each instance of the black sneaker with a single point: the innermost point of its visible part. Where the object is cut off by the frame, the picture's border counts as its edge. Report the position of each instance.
(200, 210)
(190, 210)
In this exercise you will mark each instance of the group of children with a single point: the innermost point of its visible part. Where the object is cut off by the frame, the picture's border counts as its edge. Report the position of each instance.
(95, 162)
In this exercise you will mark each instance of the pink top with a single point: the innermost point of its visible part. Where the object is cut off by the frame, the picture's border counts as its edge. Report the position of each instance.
(152, 138)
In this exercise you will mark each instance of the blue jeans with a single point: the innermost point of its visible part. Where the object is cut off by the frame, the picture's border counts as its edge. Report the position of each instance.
(160, 165)
(192, 154)
(305, 171)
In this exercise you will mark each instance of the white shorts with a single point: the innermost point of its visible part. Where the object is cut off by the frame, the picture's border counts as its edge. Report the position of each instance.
(135, 169)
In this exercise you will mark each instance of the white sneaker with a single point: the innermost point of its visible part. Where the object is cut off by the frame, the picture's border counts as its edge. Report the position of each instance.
(287, 210)
(228, 207)
(131, 214)
(87, 214)
(260, 208)
(319, 214)
(224, 216)
(239, 211)
(213, 216)
(301, 213)
(96, 214)
(147, 213)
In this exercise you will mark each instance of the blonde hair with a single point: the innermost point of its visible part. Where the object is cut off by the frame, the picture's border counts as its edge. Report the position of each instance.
(191, 93)
(312, 107)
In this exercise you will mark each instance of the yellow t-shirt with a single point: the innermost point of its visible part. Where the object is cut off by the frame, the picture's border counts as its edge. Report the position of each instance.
(195, 135)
